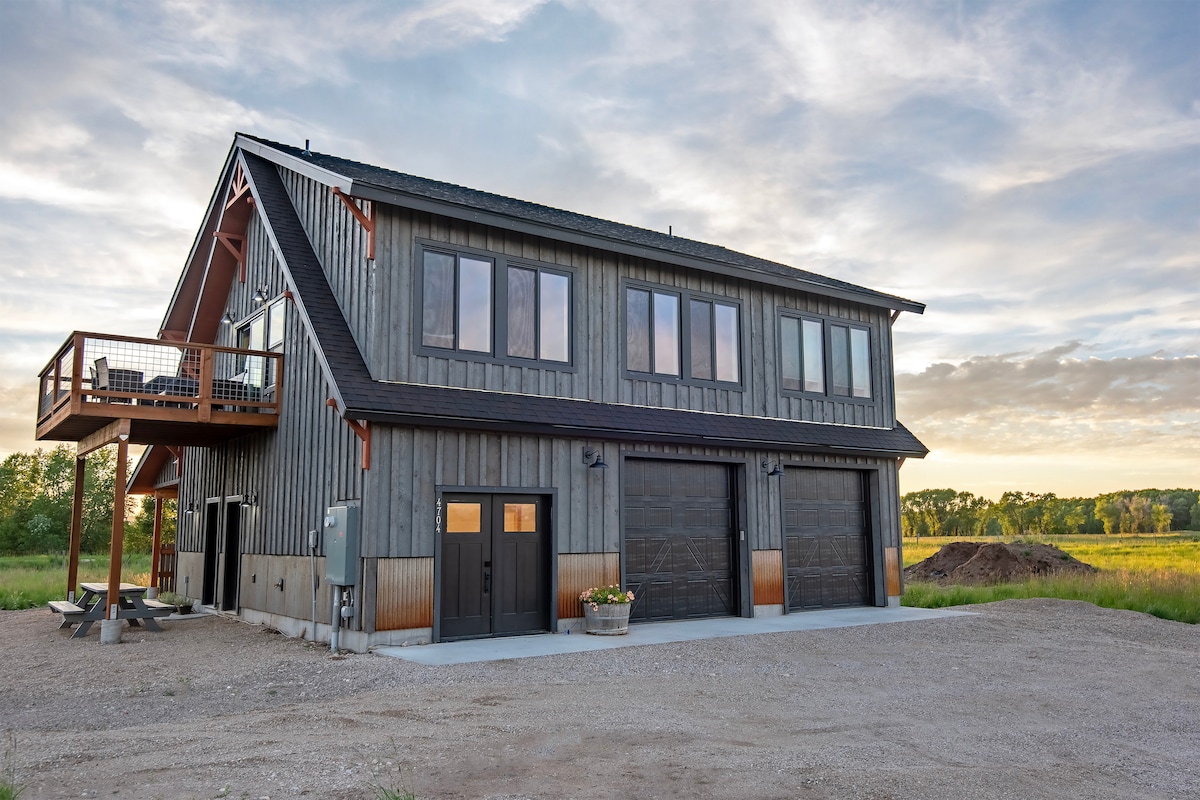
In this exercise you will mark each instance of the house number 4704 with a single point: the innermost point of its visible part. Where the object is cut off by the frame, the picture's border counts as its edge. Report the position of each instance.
(438, 518)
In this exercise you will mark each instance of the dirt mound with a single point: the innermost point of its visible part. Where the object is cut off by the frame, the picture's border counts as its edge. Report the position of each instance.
(993, 562)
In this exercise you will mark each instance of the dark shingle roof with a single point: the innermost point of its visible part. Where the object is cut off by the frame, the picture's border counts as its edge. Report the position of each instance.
(557, 219)
(361, 397)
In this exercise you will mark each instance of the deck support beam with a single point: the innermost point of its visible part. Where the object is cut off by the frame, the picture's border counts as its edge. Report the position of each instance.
(76, 528)
(116, 544)
(156, 542)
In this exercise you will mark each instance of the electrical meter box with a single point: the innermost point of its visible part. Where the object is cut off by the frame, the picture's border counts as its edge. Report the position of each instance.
(341, 545)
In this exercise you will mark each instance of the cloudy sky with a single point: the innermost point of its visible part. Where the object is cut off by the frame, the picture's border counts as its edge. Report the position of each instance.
(1029, 170)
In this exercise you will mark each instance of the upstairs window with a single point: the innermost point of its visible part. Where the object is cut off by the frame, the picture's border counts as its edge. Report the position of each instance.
(851, 361)
(823, 356)
(484, 306)
(803, 343)
(539, 304)
(682, 335)
(264, 331)
(456, 310)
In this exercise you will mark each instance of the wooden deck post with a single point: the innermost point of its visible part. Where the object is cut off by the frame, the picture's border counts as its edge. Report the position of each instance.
(116, 545)
(156, 546)
(76, 529)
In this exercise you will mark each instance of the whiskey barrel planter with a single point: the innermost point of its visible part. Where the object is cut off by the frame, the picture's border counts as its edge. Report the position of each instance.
(607, 619)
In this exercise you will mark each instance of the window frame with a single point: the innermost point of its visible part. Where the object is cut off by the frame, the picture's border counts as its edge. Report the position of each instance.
(244, 340)
(501, 263)
(685, 297)
(827, 324)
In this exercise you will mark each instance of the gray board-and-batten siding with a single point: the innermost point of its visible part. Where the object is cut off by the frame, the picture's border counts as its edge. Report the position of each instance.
(376, 298)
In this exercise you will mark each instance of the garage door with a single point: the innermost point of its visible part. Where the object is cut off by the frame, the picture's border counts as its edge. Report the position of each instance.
(679, 539)
(825, 539)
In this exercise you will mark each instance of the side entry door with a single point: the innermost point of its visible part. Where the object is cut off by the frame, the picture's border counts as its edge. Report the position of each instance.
(495, 566)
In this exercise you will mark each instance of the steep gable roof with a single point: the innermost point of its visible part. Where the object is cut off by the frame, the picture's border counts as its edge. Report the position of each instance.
(397, 188)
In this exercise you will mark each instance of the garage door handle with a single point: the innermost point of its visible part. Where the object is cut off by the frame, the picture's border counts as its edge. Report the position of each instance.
(487, 581)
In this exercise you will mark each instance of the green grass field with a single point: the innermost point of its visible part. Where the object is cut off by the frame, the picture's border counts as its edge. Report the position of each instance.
(31, 581)
(1157, 574)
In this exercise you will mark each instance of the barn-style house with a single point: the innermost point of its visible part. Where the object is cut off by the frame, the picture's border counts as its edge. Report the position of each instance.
(424, 413)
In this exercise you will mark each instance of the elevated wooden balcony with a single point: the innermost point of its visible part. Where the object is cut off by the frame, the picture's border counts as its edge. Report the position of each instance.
(159, 392)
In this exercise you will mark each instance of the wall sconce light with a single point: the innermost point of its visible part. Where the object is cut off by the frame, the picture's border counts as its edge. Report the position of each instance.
(262, 295)
(249, 500)
(771, 468)
(191, 509)
(228, 319)
(593, 459)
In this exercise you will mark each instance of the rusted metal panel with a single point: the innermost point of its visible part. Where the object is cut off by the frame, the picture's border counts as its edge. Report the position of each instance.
(404, 594)
(578, 572)
(891, 561)
(768, 577)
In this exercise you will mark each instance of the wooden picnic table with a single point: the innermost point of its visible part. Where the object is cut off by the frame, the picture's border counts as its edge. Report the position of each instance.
(92, 606)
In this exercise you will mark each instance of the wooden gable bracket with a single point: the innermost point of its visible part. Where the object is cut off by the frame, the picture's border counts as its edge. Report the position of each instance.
(237, 245)
(366, 220)
(361, 429)
(177, 451)
(239, 187)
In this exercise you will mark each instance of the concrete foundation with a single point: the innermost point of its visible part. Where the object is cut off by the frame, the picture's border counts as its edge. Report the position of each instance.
(110, 631)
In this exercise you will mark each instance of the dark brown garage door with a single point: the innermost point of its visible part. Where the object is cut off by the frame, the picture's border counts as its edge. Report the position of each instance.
(825, 539)
(679, 543)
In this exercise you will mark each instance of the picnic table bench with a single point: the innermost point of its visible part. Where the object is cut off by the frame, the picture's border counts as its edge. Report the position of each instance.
(93, 605)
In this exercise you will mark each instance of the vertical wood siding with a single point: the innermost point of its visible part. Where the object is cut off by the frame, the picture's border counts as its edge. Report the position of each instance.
(578, 572)
(891, 570)
(377, 299)
(767, 566)
(404, 594)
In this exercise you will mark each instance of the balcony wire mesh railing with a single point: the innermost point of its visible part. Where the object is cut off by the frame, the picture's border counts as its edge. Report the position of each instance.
(150, 372)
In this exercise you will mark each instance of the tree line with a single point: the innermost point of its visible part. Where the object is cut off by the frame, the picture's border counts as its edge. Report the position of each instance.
(946, 512)
(36, 492)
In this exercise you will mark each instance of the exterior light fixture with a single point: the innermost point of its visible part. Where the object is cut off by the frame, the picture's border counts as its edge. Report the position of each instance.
(593, 459)
(227, 319)
(191, 509)
(249, 500)
(772, 468)
(262, 295)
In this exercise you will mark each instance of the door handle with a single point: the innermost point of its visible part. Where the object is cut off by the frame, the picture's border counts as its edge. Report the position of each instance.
(487, 581)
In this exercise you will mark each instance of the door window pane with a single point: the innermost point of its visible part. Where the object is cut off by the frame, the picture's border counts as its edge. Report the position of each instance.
(463, 517)
(520, 517)
(521, 289)
(475, 305)
(555, 317)
(637, 330)
(860, 360)
(789, 341)
(437, 301)
(725, 328)
(701, 324)
(814, 356)
(666, 334)
(839, 337)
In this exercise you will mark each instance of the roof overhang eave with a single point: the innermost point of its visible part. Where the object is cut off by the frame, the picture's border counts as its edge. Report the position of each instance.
(613, 434)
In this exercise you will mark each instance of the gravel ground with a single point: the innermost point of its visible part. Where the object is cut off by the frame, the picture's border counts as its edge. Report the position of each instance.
(1025, 699)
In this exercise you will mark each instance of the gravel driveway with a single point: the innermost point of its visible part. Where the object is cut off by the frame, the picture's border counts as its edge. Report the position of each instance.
(1025, 699)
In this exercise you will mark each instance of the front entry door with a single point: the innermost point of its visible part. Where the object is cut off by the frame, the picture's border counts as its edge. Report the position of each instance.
(495, 567)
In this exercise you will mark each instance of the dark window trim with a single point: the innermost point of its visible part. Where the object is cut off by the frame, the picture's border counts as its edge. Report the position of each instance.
(500, 265)
(828, 322)
(685, 335)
